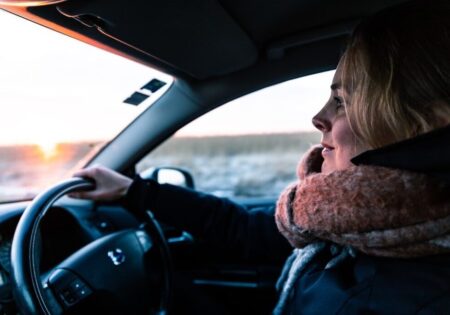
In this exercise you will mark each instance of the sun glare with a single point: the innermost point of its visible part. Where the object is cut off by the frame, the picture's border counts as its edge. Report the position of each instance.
(48, 149)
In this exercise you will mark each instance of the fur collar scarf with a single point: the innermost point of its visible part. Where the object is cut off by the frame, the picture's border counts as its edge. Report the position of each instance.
(377, 210)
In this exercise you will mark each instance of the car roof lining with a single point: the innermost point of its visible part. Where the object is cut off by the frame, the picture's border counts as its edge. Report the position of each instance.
(182, 34)
(204, 39)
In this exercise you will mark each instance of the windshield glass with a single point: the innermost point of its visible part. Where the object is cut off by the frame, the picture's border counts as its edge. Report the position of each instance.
(60, 101)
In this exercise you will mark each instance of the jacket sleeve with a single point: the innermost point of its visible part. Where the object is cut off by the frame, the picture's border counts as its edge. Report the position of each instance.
(252, 234)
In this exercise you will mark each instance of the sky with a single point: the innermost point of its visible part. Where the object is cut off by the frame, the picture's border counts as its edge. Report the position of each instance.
(286, 107)
(56, 89)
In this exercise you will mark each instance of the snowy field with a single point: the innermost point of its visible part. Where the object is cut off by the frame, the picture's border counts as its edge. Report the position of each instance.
(231, 166)
(244, 166)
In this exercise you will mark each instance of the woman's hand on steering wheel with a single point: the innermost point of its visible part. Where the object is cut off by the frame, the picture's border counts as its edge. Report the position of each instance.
(109, 185)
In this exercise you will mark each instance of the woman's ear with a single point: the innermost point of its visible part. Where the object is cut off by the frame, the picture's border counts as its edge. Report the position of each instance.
(311, 162)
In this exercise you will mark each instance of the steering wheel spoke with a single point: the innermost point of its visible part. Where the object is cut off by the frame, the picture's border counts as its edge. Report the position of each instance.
(68, 288)
(113, 265)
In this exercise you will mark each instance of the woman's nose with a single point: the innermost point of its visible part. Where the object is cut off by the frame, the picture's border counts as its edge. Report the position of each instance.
(321, 123)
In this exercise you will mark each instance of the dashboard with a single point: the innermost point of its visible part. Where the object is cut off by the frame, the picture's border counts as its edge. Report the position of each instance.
(203, 274)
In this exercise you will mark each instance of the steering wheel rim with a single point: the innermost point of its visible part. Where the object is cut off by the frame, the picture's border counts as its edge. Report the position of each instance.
(30, 295)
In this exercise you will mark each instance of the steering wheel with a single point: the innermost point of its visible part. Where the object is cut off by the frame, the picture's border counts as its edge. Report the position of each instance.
(114, 267)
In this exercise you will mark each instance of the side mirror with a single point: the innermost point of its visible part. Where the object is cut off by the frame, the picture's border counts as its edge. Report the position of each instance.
(170, 175)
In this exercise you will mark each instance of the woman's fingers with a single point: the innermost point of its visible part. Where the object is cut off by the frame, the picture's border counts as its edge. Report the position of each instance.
(83, 173)
(109, 185)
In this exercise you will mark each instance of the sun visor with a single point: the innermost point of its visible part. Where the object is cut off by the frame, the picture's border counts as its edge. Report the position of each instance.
(197, 37)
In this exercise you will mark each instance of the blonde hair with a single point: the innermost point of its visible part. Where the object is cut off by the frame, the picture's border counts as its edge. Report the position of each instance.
(396, 70)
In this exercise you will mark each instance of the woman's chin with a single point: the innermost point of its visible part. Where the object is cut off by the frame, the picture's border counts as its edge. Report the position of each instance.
(326, 167)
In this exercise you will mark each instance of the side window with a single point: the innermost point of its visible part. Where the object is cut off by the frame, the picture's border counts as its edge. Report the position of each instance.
(249, 147)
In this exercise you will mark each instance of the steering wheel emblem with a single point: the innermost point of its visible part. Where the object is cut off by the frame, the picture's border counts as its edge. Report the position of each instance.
(117, 256)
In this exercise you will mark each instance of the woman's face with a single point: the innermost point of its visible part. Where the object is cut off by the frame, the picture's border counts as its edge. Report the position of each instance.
(339, 142)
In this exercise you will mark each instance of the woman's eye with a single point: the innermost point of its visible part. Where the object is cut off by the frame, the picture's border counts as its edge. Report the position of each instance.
(339, 102)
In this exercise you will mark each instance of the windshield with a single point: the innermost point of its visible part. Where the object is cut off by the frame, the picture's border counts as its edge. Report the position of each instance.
(60, 101)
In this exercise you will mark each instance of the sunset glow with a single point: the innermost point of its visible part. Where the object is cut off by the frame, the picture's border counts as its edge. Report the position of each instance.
(48, 149)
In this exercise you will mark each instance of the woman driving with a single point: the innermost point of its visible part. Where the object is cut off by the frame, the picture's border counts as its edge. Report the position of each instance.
(368, 222)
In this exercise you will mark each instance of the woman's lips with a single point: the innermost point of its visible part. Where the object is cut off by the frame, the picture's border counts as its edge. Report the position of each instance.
(326, 150)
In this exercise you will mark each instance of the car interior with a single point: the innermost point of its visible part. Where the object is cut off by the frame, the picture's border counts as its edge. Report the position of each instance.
(216, 51)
